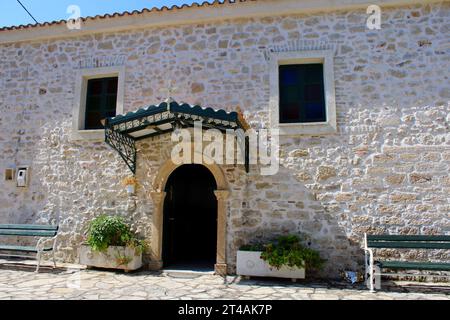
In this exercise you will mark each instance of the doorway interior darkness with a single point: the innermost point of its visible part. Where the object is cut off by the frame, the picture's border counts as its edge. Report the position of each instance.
(190, 219)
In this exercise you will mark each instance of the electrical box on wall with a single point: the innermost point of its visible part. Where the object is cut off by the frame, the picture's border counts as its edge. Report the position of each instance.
(22, 177)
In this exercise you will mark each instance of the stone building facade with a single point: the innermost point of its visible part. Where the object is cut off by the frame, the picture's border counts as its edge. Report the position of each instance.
(384, 169)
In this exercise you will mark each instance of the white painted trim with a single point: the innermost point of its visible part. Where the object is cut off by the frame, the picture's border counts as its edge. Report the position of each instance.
(79, 106)
(303, 57)
(193, 15)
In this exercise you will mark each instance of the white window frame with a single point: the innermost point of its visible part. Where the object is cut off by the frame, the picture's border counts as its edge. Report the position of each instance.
(324, 57)
(79, 106)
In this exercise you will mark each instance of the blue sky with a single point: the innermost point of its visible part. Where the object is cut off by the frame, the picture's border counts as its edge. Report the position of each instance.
(11, 13)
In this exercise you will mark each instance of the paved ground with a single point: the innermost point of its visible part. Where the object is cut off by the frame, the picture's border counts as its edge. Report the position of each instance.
(19, 282)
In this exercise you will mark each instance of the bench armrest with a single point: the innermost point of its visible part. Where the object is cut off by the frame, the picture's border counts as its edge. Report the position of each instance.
(42, 241)
(368, 253)
(365, 241)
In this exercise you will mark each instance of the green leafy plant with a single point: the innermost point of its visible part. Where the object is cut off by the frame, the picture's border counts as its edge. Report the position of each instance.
(105, 231)
(138, 245)
(287, 251)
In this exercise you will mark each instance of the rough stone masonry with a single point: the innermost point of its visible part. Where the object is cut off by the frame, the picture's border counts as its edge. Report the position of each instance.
(385, 170)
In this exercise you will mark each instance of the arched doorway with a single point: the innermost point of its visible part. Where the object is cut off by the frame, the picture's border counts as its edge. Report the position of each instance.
(190, 219)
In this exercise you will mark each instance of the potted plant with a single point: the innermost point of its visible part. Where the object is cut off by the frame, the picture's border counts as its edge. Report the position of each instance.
(285, 257)
(130, 184)
(111, 244)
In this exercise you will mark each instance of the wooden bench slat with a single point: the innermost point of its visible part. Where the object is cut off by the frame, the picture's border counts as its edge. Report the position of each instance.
(430, 266)
(408, 245)
(386, 237)
(27, 230)
(386, 241)
(28, 227)
(22, 248)
(27, 233)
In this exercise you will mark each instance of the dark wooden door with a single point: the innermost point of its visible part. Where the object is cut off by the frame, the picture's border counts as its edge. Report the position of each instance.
(190, 217)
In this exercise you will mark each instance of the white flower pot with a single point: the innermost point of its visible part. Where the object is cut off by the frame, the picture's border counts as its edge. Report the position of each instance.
(130, 189)
(110, 259)
(249, 263)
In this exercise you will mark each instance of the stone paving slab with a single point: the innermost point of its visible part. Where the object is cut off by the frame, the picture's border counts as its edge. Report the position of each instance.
(21, 282)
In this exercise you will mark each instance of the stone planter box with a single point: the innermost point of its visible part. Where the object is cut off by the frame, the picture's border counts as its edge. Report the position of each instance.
(249, 264)
(110, 259)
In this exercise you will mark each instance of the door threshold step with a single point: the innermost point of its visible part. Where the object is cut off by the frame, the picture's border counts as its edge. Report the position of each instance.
(179, 273)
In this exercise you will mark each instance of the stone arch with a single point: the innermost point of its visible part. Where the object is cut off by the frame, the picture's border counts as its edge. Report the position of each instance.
(158, 195)
(159, 183)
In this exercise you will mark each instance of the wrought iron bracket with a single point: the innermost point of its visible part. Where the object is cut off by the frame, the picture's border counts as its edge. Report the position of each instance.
(124, 145)
(247, 154)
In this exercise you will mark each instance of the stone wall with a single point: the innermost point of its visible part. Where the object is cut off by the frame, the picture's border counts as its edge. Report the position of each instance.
(386, 170)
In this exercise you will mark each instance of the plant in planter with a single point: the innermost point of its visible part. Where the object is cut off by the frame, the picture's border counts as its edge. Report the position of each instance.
(130, 183)
(112, 244)
(285, 257)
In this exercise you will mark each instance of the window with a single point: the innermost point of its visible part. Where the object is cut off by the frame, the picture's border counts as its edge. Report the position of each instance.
(99, 93)
(302, 97)
(101, 100)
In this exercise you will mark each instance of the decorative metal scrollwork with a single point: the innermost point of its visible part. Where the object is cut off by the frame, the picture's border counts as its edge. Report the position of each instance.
(124, 145)
(122, 131)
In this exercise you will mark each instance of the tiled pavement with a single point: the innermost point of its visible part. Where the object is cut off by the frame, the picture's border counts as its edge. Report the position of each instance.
(19, 282)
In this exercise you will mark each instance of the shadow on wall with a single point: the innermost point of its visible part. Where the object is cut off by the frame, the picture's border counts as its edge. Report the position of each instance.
(278, 205)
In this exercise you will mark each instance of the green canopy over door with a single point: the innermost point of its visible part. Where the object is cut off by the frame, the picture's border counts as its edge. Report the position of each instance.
(122, 131)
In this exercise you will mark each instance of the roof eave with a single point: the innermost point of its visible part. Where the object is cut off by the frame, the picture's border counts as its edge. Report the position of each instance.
(189, 15)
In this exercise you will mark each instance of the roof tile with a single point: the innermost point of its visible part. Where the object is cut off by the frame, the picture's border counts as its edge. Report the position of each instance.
(133, 13)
